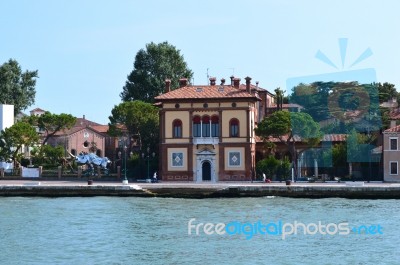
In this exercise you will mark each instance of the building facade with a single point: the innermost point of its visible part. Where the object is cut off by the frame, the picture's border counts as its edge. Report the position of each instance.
(391, 154)
(88, 137)
(207, 132)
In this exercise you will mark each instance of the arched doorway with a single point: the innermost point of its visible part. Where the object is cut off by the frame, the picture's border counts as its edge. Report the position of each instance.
(206, 171)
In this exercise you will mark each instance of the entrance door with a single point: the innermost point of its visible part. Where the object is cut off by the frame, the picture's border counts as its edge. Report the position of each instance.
(206, 169)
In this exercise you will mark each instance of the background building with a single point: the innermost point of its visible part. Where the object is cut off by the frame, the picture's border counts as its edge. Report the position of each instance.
(6, 116)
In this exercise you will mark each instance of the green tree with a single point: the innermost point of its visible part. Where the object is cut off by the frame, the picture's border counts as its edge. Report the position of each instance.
(288, 128)
(283, 169)
(279, 95)
(358, 146)
(268, 166)
(16, 87)
(16, 136)
(151, 67)
(314, 98)
(387, 91)
(139, 119)
(52, 123)
(48, 155)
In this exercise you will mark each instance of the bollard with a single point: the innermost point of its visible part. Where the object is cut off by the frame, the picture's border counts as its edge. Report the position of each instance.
(2, 172)
(58, 171)
(119, 172)
(99, 172)
(79, 171)
(40, 171)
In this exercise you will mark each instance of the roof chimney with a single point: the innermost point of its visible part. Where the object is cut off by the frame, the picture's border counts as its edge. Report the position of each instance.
(212, 81)
(83, 116)
(236, 82)
(167, 85)
(232, 77)
(222, 81)
(248, 79)
(183, 82)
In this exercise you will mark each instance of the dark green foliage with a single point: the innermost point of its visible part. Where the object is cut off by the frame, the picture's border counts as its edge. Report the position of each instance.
(284, 125)
(345, 105)
(47, 156)
(16, 87)
(151, 67)
(283, 169)
(139, 119)
(52, 123)
(268, 166)
(13, 138)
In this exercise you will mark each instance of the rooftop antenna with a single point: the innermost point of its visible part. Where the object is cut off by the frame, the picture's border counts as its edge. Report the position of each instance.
(208, 77)
(233, 71)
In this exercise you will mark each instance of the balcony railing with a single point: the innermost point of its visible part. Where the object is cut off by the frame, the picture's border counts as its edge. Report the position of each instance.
(205, 140)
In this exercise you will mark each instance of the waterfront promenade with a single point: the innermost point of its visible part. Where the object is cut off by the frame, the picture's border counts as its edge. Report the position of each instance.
(61, 188)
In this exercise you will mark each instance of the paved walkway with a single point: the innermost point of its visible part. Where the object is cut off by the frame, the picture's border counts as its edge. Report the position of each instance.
(61, 188)
(217, 185)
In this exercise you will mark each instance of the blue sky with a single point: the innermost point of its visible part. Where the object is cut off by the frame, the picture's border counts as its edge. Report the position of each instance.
(84, 50)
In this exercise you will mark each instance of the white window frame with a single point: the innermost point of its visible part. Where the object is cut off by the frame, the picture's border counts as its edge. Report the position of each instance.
(390, 143)
(390, 168)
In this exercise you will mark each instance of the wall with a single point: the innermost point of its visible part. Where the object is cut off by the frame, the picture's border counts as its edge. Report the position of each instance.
(390, 156)
(6, 116)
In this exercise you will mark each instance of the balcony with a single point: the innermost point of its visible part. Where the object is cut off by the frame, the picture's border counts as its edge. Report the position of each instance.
(206, 140)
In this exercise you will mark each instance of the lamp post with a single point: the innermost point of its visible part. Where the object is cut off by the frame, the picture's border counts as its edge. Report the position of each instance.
(125, 181)
(369, 154)
(148, 158)
(125, 147)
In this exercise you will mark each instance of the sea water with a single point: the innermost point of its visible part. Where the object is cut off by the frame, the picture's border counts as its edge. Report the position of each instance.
(127, 230)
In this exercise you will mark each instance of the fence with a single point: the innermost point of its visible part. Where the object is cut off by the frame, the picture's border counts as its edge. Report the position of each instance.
(58, 173)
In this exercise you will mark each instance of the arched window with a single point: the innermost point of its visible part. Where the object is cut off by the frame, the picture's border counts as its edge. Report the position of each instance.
(177, 128)
(214, 126)
(234, 128)
(196, 126)
(206, 126)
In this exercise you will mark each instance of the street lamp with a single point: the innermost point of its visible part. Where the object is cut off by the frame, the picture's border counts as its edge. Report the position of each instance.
(123, 145)
(148, 158)
(369, 153)
(125, 181)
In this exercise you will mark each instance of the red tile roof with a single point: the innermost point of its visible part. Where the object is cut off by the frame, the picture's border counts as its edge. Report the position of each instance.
(37, 109)
(101, 129)
(84, 122)
(334, 137)
(395, 114)
(81, 124)
(290, 105)
(393, 129)
(202, 92)
(325, 138)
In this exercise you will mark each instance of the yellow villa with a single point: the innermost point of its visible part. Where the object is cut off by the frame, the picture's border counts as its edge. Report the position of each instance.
(207, 131)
